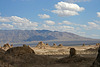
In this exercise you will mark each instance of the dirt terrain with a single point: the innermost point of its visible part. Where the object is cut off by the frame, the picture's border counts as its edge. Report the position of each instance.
(47, 56)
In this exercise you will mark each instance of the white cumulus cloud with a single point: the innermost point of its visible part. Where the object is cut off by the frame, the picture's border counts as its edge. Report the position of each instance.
(23, 23)
(76, 0)
(18, 19)
(67, 9)
(63, 13)
(98, 14)
(6, 26)
(67, 22)
(44, 16)
(68, 6)
(19, 23)
(5, 19)
(49, 22)
(63, 28)
(93, 25)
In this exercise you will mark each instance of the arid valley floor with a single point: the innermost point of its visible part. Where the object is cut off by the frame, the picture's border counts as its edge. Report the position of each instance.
(44, 55)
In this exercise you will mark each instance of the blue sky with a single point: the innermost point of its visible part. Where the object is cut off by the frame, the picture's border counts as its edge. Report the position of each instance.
(81, 17)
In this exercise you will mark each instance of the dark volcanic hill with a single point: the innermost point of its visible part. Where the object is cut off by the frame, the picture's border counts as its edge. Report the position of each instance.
(37, 35)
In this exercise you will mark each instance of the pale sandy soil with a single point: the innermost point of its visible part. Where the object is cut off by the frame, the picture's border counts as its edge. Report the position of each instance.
(63, 50)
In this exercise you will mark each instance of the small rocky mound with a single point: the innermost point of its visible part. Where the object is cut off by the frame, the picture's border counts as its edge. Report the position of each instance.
(47, 45)
(20, 50)
(97, 44)
(54, 45)
(60, 45)
(96, 63)
(41, 45)
(6, 45)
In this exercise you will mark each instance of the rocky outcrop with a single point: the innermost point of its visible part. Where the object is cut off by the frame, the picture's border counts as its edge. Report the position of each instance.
(41, 45)
(60, 45)
(54, 45)
(97, 44)
(96, 63)
(47, 45)
(7, 45)
(16, 51)
(72, 52)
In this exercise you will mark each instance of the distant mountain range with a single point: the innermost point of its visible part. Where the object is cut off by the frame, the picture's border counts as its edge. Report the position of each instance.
(37, 35)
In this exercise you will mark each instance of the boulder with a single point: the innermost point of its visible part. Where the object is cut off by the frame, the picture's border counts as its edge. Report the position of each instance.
(72, 52)
(16, 51)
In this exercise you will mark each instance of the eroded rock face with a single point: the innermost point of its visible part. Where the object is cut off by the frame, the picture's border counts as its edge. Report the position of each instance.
(16, 51)
(96, 63)
(72, 52)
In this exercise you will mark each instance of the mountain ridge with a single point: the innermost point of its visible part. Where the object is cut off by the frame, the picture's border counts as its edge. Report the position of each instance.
(37, 35)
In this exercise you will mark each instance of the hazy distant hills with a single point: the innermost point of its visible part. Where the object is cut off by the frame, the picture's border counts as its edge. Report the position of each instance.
(37, 35)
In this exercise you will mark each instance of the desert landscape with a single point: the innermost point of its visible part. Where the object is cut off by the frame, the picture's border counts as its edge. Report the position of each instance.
(49, 33)
(44, 55)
